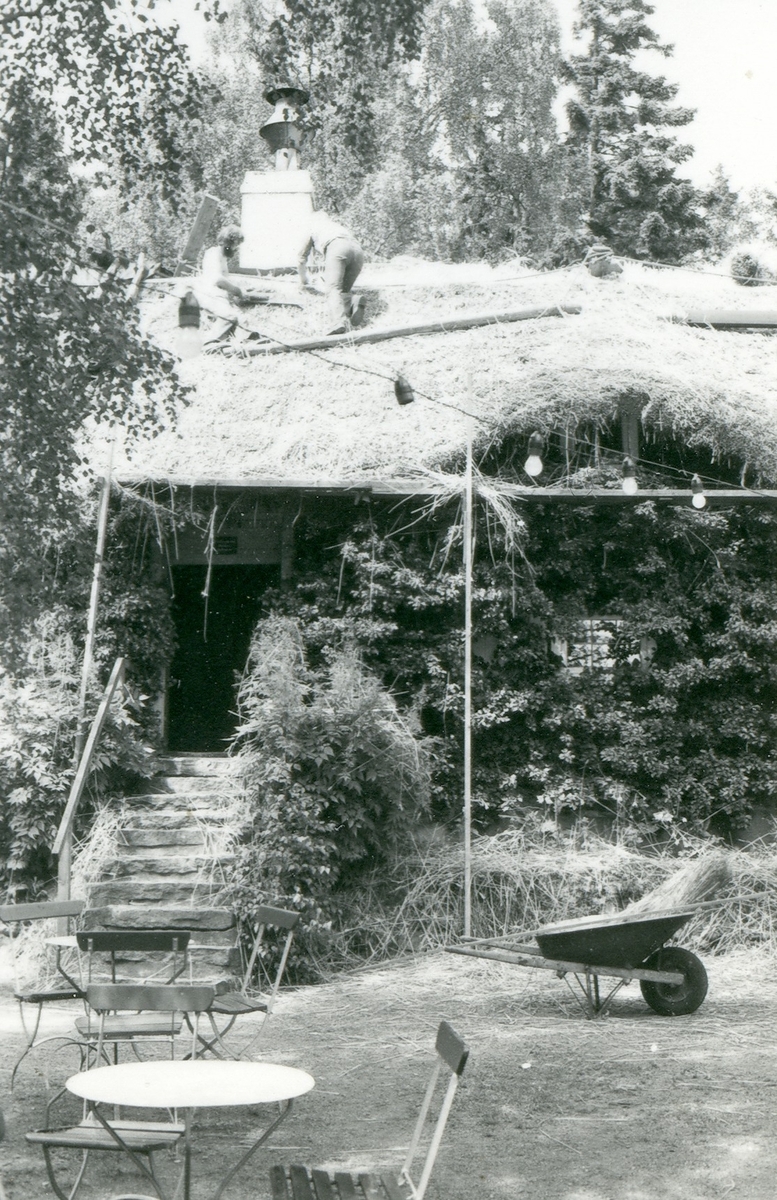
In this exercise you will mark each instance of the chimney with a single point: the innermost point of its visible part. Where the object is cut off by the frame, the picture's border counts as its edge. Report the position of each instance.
(276, 204)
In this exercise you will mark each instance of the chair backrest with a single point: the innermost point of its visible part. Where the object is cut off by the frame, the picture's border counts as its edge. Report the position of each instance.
(40, 910)
(452, 1054)
(135, 941)
(105, 998)
(140, 997)
(266, 918)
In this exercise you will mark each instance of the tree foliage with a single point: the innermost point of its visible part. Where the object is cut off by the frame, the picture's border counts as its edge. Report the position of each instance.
(106, 81)
(623, 120)
(121, 79)
(487, 85)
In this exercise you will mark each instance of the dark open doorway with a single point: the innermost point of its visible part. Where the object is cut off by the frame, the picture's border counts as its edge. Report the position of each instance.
(201, 712)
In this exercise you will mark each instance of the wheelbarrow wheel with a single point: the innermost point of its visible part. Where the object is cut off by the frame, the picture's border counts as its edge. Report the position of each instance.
(669, 999)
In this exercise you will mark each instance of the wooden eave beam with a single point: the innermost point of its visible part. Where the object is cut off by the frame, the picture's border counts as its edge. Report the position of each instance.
(398, 488)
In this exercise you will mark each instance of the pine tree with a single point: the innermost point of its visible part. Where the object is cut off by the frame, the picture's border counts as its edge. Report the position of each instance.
(622, 120)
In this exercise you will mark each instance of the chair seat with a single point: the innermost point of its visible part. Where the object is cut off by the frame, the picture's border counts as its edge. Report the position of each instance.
(49, 994)
(300, 1183)
(89, 1136)
(234, 1004)
(135, 1025)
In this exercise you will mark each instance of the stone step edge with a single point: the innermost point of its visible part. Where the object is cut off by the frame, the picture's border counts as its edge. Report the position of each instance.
(158, 916)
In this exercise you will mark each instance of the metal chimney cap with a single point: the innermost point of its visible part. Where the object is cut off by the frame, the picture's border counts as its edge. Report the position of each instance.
(286, 91)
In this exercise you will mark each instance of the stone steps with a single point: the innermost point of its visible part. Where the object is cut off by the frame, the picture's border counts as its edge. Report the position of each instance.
(169, 863)
(161, 838)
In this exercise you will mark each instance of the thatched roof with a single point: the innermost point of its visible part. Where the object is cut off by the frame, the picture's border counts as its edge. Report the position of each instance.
(301, 418)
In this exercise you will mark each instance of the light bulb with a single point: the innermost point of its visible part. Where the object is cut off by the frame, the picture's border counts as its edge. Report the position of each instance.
(533, 464)
(187, 342)
(698, 499)
(629, 479)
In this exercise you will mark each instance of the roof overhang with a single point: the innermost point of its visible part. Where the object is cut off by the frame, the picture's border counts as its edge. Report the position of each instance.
(400, 488)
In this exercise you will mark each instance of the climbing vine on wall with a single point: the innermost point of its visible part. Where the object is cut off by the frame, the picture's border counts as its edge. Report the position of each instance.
(682, 735)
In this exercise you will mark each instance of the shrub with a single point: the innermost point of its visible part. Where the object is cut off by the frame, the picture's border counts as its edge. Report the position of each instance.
(335, 777)
(38, 719)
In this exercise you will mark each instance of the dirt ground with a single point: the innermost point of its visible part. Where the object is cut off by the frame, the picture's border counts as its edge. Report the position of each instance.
(630, 1107)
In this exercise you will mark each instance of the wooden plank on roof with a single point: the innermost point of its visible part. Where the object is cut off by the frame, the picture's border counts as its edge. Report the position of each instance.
(197, 234)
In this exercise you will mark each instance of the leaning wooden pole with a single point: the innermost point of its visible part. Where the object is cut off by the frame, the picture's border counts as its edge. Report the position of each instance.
(91, 622)
(66, 852)
(468, 692)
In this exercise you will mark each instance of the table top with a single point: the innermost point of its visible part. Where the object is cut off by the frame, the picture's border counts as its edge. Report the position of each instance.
(65, 940)
(198, 1083)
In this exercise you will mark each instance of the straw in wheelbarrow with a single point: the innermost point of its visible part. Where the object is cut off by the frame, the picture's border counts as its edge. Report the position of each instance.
(699, 880)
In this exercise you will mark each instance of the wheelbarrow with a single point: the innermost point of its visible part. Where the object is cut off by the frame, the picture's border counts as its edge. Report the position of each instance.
(622, 947)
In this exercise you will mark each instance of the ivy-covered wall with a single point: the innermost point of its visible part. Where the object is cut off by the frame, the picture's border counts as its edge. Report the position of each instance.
(683, 734)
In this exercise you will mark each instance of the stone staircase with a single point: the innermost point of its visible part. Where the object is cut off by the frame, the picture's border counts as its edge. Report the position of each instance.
(170, 862)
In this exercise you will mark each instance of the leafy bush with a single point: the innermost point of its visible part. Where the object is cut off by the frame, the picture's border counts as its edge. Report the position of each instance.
(38, 719)
(335, 777)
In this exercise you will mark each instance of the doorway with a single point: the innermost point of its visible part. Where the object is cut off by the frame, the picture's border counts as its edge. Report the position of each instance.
(201, 705)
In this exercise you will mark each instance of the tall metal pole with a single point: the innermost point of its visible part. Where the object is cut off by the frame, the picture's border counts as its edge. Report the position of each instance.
(468, 692)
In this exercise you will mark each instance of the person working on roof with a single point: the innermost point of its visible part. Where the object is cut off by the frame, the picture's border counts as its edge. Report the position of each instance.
(218, 292)
(343, 260)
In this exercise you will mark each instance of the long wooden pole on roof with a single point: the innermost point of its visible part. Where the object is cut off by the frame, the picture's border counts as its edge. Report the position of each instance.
(367, 336)
(468, 691)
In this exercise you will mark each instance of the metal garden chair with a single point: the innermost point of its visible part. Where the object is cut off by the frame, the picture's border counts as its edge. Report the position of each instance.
(124, 947)
(302, 1183)
(238, 1002)
(168, 946)
(141, 1138)
(61, 987)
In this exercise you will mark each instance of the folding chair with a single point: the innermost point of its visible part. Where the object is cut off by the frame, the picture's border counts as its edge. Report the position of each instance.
(62, 988)
(169, 946)
(123, 946)
(302, 1183)
(239, 1002)
(140, 1012)
(141, 1138)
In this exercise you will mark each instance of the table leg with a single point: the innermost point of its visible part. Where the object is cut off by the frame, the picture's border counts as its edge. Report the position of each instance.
(138, 1161)
(187, 1155)
(285, 1109)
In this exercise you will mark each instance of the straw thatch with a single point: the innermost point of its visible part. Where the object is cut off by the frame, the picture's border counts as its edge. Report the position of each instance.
(301, 417)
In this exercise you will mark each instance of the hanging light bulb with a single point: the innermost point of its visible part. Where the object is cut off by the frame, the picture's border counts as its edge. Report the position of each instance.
(629, 480)
(533, 464)
(403, 391)
(187, 340)
(698, 499)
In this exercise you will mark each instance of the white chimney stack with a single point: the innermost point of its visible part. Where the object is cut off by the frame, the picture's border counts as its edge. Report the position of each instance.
(276, 205)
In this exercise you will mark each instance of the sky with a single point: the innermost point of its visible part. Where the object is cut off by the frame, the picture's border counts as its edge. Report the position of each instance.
(724, 62)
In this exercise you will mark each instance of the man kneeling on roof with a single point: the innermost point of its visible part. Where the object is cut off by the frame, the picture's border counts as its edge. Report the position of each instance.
(343, 260)
(218, 292)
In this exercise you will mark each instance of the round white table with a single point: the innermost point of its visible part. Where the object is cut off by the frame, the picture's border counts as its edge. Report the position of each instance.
(189, 1085)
